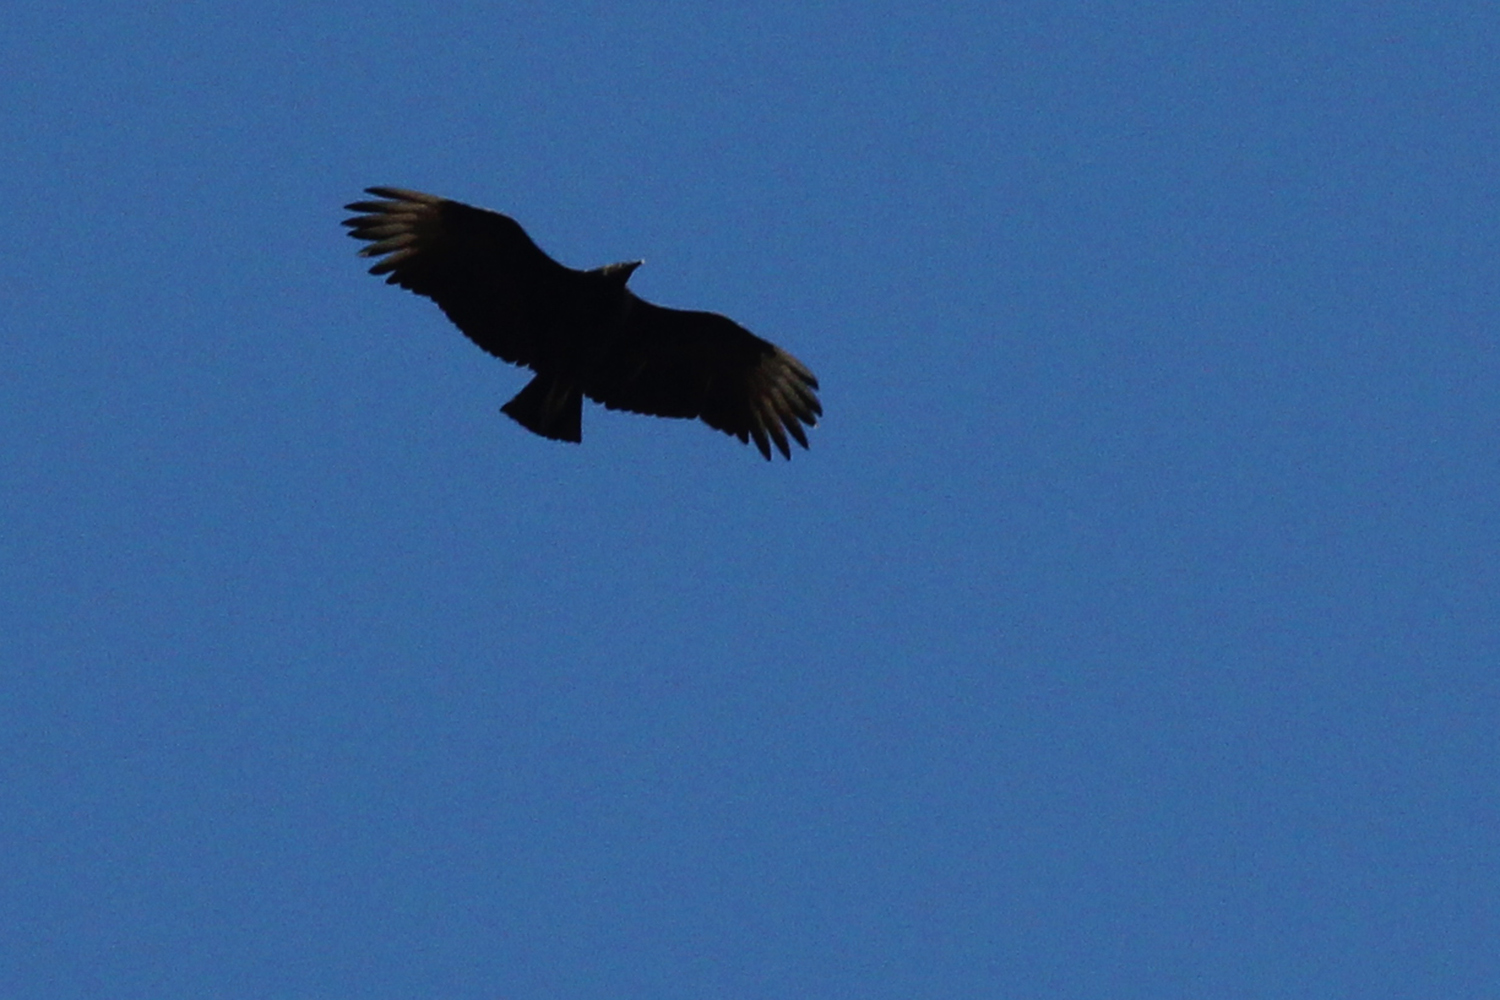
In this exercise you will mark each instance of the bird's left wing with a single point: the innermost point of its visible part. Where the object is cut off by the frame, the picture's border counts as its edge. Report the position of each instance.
(494, 283)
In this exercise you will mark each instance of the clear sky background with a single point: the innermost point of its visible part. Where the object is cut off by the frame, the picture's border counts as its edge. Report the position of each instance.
(1131, 630)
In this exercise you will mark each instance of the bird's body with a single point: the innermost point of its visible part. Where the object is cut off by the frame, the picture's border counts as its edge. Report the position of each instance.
(584, 333)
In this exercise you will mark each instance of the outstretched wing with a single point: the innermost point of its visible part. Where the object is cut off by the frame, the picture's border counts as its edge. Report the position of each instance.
(679, 363)
(494, 283)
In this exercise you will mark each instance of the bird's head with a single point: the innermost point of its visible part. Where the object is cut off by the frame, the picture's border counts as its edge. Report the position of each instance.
(620, 272)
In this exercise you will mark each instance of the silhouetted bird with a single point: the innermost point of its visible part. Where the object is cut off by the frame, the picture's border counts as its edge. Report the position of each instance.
(583, 332)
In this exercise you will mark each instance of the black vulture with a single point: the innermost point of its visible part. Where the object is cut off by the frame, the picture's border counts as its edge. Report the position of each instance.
(583, 332)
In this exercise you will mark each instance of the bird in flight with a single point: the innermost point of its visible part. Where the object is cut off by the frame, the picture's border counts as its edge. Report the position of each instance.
(583, 333)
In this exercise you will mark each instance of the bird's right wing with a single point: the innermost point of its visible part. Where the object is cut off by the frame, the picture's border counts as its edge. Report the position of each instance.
(682, 363)
(493, 282)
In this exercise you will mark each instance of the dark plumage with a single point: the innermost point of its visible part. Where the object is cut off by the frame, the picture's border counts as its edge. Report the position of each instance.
(583, 332)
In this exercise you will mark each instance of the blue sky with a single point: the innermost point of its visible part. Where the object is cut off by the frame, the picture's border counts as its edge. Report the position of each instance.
(1129, 631)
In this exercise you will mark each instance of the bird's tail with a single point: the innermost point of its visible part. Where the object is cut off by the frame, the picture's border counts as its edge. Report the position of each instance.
(548, 407)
